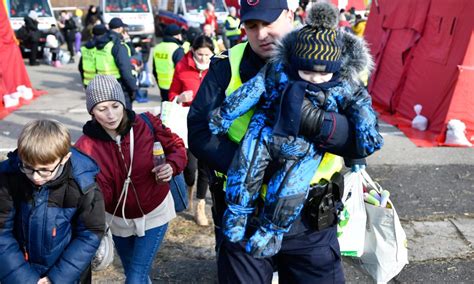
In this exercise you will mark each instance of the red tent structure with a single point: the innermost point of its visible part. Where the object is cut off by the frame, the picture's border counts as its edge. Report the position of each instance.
(12, 69)
(424, 54)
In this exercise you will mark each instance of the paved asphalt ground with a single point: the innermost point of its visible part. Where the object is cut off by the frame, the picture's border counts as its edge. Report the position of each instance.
(432, 188)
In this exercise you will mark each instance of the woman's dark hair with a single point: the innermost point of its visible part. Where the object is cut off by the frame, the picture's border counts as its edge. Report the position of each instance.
(124, 124)
(203, 41)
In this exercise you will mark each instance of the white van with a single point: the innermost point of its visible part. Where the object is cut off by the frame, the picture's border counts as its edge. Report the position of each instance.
(137, 14)
(20, 8)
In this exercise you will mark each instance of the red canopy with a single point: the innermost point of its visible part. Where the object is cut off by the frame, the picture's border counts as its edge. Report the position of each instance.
(424, 53)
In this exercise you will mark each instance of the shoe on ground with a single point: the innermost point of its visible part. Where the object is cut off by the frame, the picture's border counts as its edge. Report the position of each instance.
(200, 214)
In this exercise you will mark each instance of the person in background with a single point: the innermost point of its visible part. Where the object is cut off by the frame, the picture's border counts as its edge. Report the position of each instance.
(78, 36)
(138, 201)
(232, 27)
(191, 34)
(344, 23)
(307, 255)
(52, 216)
(359, 25)
(33, 35)
(112, 57)
(188, 75)
(54, 40)
(92, 18)
(68, 28)
(166, 55)
(300, 17)
(208, 31)
(87, 62)
(210, 17)
(351, 15)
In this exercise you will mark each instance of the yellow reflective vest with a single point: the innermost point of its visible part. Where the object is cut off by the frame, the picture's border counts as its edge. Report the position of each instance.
(330, 163)
(234, 27)
(88, 64)
(105, 61)
(164, 65)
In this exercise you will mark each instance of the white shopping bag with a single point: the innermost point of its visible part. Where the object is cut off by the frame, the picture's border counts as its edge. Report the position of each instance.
(385, 250)
(174, 116)
(352, 219)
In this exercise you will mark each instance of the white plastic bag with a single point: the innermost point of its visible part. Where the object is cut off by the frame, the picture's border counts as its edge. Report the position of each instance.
(175, 116)
(352, 219)
(456, 133)
(385, 250)
(419, 122)
(105, 253)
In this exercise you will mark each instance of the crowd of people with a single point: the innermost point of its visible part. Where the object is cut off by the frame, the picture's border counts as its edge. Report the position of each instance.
(266, 118)
(72, 29)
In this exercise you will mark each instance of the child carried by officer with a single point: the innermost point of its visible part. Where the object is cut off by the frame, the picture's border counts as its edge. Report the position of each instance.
(308, 77)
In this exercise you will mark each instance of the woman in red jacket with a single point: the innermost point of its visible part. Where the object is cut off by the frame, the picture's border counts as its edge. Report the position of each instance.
(138, 201)
(188, 75)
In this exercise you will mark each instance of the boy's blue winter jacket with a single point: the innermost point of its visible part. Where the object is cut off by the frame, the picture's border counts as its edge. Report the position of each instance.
(53, 230)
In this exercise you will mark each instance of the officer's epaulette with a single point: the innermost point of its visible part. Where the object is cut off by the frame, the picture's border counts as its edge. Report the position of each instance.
(223, 55)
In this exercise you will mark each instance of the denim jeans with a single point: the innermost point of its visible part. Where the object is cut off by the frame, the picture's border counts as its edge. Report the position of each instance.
(137, 254)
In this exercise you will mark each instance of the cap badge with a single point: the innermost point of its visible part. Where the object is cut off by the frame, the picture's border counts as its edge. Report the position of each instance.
(253, 2)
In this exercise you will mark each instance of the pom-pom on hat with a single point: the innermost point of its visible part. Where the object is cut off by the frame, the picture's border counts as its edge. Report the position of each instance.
(101, 89)
(318, 44)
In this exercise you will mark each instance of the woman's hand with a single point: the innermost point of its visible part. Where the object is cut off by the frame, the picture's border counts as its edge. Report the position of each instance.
(163, 173)
(185, 97)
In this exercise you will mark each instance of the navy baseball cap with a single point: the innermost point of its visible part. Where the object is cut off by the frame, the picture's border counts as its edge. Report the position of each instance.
(116, 23)
(263, 10)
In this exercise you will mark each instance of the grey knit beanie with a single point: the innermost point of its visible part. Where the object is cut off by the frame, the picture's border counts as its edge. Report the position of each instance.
(103, 88)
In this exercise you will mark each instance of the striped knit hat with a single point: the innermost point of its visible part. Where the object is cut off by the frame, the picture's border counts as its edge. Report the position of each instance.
(318, 45)
(103, 88)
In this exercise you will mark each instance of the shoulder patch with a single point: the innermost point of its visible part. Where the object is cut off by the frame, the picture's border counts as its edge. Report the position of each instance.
(220, 56)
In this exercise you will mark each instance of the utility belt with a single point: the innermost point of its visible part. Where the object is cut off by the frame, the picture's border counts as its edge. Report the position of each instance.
(324, 202)
(319, 212)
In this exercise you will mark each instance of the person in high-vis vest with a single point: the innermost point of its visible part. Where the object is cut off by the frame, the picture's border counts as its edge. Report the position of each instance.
(166, 55)
(307, 255)
(284, 93)
(87, 61)
(112, 57)
(232, 27)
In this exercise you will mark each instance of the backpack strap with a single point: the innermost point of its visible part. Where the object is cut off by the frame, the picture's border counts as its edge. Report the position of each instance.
(148, 122)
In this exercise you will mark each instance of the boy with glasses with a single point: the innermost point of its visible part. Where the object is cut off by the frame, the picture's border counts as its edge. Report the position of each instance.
(52, 214)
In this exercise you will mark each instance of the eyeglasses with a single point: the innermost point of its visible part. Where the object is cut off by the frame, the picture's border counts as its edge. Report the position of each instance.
(44, 173)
